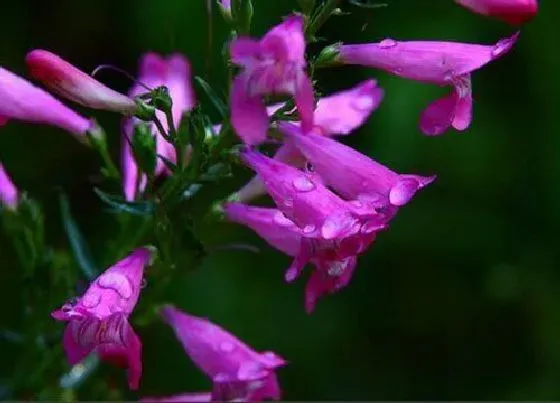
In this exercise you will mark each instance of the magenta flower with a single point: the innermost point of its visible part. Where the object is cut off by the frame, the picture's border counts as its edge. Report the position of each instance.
(155, 71)
(337, 114)
(334, 229)
(442, 63)
(283, 234)
(515, 12)
(273, 65)
(238, 372)
(226, 4)
(21, 100)
(9, 195)
(354, 175)
(71, 83)
(98, 321)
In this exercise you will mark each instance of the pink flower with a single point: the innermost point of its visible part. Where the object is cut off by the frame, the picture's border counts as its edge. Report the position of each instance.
(515, 12)
(238, 372)
(98, 321)
(21, 100)
(155, 71)
(69, 82)
(442, 63)
(273, 65)
(333, 229)
(337, 114)
(283, 234)
(354, 175)
(9, 195)
(226, 4)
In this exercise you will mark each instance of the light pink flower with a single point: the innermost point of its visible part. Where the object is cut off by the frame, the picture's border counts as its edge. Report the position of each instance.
(238, 372)
(9, 195)
(515, 12)
(331, 273)
(21, 100)
(226, 4)
(98, 321)
(337, 114)
(273, 65)
(155, 71)
(69, 82)
(354, 175)
(442, 63)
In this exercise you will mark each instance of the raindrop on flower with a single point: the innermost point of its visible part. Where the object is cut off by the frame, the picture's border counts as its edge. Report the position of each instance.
(144, 283)
(227, 347)
(309, 167)
(308, 229)
(117, 282)
(282, 220)
(387, 43)
(363, 103)
(302, 184)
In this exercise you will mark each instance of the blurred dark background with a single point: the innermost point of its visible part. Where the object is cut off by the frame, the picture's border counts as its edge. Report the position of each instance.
(460, 299)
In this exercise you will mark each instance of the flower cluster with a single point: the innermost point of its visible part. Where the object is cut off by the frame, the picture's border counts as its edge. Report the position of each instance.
(331, 201)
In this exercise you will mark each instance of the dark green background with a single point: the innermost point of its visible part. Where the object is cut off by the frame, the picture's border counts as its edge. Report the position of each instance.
(460, 299)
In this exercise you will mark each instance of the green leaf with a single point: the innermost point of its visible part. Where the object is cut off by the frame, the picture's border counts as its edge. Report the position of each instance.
(216, 101)
(78, 244)
(118, 204)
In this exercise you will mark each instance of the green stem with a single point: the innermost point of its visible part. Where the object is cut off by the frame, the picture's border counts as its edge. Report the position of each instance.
(112, 171)
(324, 13)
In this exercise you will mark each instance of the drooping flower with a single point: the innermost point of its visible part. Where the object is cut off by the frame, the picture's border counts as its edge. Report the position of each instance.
(328, 277)
(21, 100)
(515, 12)
(238, 372)
(442, 63)
(9, 195)
(354, 175)
(69, 82)
(98, 321)
(155, 71)
(337, 114)
(273, 65)
(334, 229)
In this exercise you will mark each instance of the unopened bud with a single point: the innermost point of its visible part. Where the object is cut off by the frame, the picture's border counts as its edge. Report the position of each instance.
(144, 148)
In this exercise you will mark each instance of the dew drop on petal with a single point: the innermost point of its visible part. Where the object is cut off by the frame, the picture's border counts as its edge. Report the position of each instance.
(288, 202)
(144, 283)
(117, 282)
(303, 184)
(227, 347)
(91, 300)
(330, 228)
(308, 229)
(387, 43)
(282, 220)
(363, 103)
(337, 268)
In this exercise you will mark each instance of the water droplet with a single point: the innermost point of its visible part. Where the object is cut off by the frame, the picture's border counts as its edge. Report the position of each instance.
(117, 282)
(357, 204)
(303, 184)
(144, 283)
(398, 71)
(66, 308)
(372, 226)
(288, 202)
(387, 43)
(330, 228)
(449, 75)
(363, 103)
(309, 167)
(501, 47)
(282, 220)
(91, 300)
(337, 268)
(227, 347)
(308, 229)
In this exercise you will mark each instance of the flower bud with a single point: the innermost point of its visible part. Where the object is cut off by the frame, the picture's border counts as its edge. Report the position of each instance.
(69, 82)
(144, 148)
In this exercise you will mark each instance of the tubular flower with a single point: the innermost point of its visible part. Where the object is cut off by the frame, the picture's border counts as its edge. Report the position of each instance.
(333, 229)
(98, 321)
(337, 114)
(515, 12)
(442, 63)
(9, 195)
(354, 175)
(21, 100)
(69, 82)
(330, 275)
(238, 372)
(155, 71)
(273, 65)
